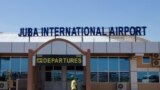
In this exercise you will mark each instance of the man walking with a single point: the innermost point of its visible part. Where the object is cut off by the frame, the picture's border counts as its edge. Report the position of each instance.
(73, 83)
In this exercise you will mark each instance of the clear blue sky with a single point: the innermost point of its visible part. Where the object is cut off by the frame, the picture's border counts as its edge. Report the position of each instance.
(39, 13)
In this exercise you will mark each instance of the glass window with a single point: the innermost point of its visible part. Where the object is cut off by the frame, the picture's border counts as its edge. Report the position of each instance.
(57, 73)
(94, 71)
(24, 64)
(4, 64)
(80, 76)
(4, 68)
(15, 67)
(113, 64)
(15, 64)
(103, 76)
(110, 69)
(146, 60)
(70, 67)
(154, 77)
(142, 77)
(48, 76)
(94, 76)
(103, 64)
(148, 77)
(124, 64)
(79, 68)
(124, 77)
(69, 74)
(113, 76)
(93, 65)
(102, 69)
(49, 68)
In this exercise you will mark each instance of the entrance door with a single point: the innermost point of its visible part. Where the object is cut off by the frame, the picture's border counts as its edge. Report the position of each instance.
(78, 72)
(53, 78)
(59, 77)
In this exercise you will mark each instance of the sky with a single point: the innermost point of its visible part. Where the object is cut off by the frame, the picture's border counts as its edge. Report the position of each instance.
(15, 14)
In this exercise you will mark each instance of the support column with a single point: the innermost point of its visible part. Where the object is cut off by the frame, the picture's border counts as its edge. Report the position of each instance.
(88, 81)
(133, 73)
(64, 79)
(30, 71)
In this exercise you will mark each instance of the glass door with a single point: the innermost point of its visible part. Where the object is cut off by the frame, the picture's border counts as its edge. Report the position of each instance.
(59, 77)
(53, 76)
(78, 72)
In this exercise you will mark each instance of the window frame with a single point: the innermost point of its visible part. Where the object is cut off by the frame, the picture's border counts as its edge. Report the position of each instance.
(148, 74)
(97, 58)
(145, 62)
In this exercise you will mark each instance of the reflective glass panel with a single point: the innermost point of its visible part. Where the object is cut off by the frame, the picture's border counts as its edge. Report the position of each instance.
(153, 77)
(93, 65)
(124, 76)
(113, 64)
(146, 60)
(80, 76)
(142, 77)
(124, 64)
(70, 73)
(24, 64)
(48, 76)
(4, 67)
(15, 64)
(103, 76)
(102, 64)
(94, 76)
(113, 76)
(56, 75)
(15, 68)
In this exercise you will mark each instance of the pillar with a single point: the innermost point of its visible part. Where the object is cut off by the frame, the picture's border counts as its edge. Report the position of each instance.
(133, 72)
(30, 71)
(88, 79)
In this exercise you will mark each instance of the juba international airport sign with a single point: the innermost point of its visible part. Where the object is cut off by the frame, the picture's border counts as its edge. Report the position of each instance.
(75, 60)
(83, 31)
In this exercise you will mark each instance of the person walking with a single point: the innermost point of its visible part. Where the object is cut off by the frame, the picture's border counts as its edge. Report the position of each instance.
(73, 83)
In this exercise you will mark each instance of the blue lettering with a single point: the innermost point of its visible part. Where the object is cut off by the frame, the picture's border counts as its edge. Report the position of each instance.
(74, 31)
(61, 31)
(98, 31)
(103, 32)
(78, 30)
(111, 31)
(68, 32)
(29, 32)
(92, 31)
(144, 30)
(138, 31)
(51, 30)
(56, 31)
(35, 32)
(23, 32)
(120, 31)
(86, 31)
(132, 31)
(126, 30)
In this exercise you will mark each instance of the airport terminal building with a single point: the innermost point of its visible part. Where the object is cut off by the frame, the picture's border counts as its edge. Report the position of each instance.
(98, 62)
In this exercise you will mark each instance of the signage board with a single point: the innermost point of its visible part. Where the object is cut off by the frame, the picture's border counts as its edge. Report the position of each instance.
(83, 31)
(75, 60)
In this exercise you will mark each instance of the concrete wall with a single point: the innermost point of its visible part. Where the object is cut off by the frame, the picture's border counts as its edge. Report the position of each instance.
(137, 65)
(107, 86)
(95, 47)
(153, 86)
